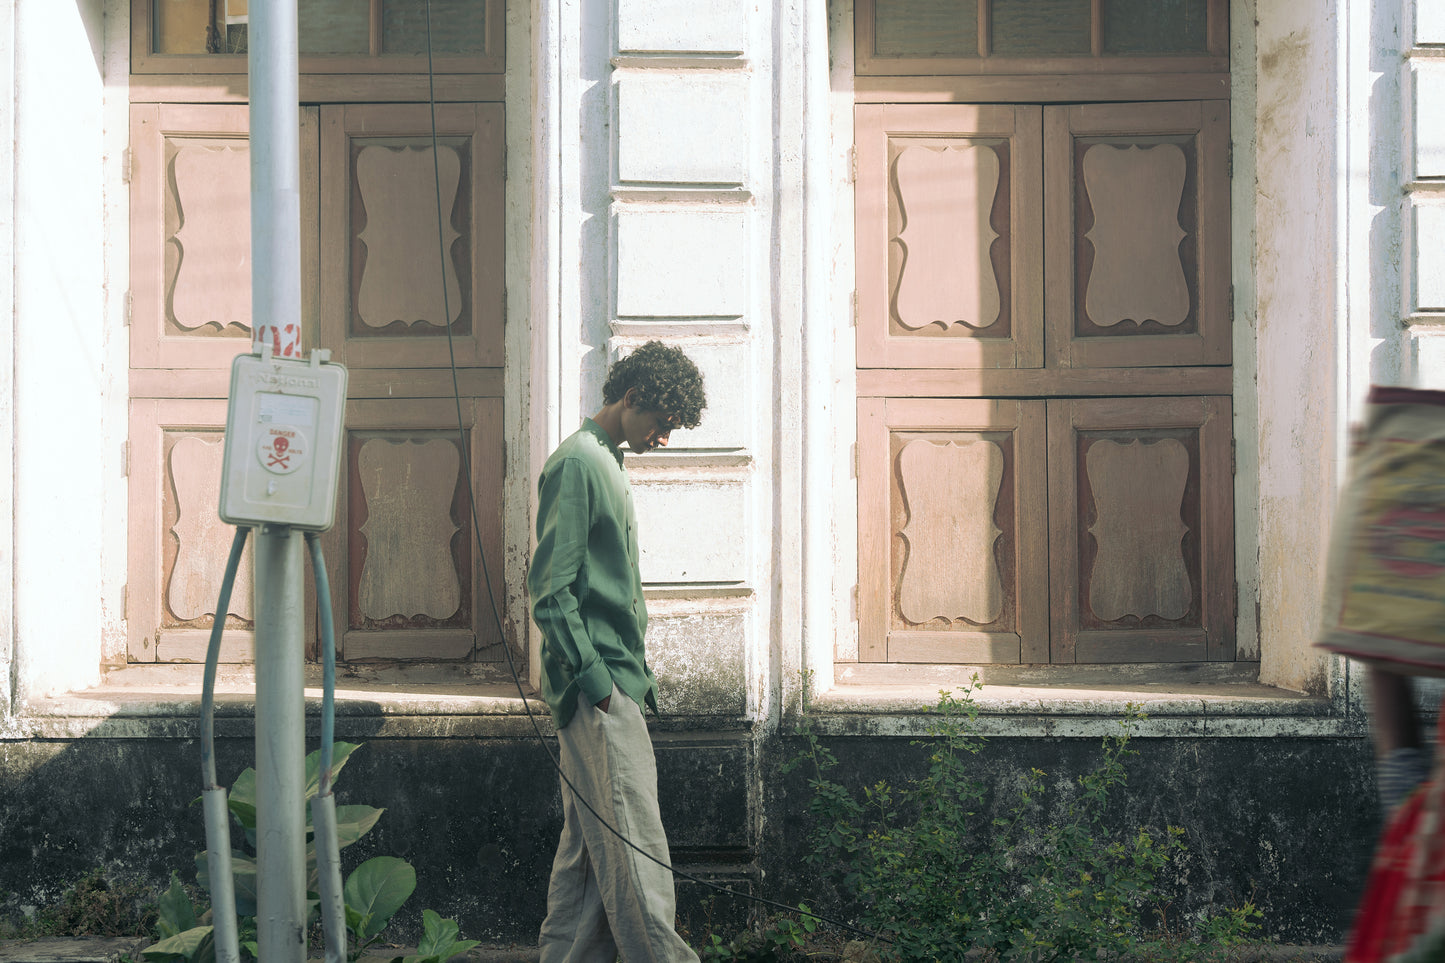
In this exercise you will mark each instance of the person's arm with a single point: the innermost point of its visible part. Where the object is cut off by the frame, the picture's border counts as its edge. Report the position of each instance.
(563, 521)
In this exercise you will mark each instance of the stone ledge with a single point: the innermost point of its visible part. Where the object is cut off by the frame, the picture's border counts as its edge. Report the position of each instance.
(73, 950)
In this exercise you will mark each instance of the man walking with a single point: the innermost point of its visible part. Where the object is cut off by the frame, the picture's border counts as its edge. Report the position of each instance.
(606, 899)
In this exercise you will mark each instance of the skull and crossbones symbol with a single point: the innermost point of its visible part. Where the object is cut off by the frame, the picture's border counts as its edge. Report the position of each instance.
(277, 457)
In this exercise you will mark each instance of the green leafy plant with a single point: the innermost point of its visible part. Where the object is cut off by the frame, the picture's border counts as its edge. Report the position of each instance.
(372, 894)
(439, 941)
(941, 872)
(96, 904)
(781, 937)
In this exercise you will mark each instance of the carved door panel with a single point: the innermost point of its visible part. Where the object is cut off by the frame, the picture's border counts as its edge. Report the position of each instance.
(952, 542)
(1137, 207)
(406, 579)
(190, 235)
(387, 300)
(1141, 542)
(178, 545)
(948, 235)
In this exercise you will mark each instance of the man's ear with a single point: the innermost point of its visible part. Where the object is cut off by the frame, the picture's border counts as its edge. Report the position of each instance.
(632, 398)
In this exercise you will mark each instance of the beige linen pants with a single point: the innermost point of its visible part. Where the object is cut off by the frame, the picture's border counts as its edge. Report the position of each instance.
(605, 899)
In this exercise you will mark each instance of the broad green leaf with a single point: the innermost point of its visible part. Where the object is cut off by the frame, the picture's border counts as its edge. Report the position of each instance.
(174, 909)
(340, 752)
(438, 934)
(376, 889)
(352, 822)
(242, 800)
(243, 875)
(196, 945)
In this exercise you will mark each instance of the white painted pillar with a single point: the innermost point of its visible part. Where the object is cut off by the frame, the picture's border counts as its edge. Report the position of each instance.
(59, 307)
(7, 356)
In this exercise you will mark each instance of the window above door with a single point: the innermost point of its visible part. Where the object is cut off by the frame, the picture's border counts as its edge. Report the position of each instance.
(1039, 36)
(351, 51)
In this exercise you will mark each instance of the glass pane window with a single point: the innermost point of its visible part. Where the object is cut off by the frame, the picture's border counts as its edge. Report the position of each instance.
(457, 26)
(926, 28)
(1040, 28)
(334, 27)
(1155, 26)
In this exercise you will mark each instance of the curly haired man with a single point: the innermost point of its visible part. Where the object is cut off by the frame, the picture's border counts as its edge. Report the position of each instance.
(605, 899)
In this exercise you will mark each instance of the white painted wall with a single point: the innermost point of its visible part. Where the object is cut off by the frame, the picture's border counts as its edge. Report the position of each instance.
(660, 179)
(1423, 195)
(60, 363)
(7, 356)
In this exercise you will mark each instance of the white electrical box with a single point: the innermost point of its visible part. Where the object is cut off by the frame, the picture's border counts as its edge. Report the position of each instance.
(283, 441)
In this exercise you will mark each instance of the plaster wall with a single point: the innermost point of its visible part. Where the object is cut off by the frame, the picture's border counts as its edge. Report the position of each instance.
(60, 370)
(1422, 199)
(666, 229)
(7, 355)
(1298, 250)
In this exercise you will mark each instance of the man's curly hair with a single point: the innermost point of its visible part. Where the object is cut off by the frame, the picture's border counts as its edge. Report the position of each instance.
(666, 381)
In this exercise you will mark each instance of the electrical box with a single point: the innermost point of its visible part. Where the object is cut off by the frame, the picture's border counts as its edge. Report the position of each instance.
(283, 441)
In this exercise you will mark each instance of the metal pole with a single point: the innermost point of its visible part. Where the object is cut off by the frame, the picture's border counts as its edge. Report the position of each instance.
(280, 748)
(276, 319)
(275, 178)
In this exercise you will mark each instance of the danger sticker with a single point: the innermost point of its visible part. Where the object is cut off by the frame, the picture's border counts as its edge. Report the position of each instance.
(281, 448)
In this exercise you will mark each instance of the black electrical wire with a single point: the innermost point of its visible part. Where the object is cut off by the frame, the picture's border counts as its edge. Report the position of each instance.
(481, 553)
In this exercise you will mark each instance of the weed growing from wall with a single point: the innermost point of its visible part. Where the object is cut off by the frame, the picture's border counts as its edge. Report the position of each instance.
(941, 878)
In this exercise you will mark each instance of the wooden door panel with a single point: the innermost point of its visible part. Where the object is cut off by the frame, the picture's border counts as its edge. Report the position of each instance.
(952, 540)
(190, 228)
(406, 580)
(1141, 530)
(948, 236)
(1137, 237)
(178, 544)
(387, 300)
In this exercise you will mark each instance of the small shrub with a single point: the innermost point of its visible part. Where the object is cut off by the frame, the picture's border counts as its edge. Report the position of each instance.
(94, 905)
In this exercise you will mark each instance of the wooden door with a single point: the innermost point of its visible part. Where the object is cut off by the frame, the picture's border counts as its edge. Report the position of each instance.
(409, 579)
(406, 575)
(969, 340)
(190, 314)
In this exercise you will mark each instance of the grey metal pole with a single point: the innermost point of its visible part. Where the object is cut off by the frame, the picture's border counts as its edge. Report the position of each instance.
(276, 320)
(280, 748)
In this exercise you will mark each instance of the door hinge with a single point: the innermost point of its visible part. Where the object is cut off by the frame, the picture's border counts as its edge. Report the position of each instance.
(125, 459)
(129, 308)
(124, 597)
(852, 165)
(1233, 457)
(853, 456)
(504, 162)
(1231, 304)
(127, 165)
(1229, 160)
(854, 308)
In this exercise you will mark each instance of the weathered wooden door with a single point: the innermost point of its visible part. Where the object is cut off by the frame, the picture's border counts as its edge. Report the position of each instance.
(1043, 353)
(405, 573)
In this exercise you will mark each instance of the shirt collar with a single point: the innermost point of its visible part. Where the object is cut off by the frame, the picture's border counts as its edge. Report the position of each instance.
(594, 428)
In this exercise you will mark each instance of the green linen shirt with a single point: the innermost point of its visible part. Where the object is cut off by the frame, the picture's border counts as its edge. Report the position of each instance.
(584, 582)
